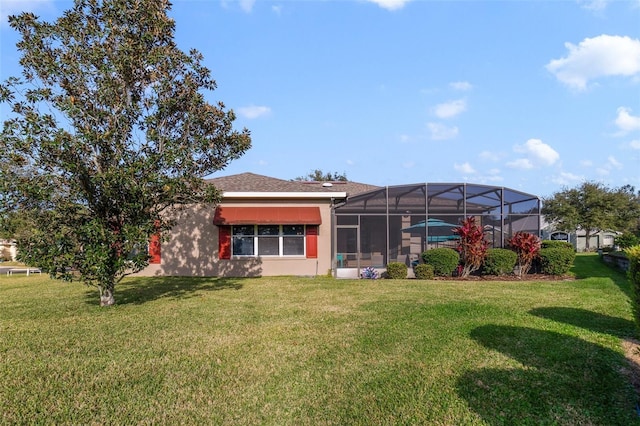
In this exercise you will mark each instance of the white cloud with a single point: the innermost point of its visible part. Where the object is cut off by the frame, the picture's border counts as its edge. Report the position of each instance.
(247, 5)
(441, 132)
(537, 153)
(627, 122)
(254, 111)
(404, 138)
(566, 178)
(461, 85)
(464, 168)
(520, 164)
(409, 165)
(490, 156)
(450, 109)
(635, 144)
(491, 177)
(594, 5)
(390, 4)
(613, 163)
(600, 56)
(586, 163)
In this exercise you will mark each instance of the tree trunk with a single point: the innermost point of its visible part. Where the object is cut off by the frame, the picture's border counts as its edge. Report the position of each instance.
(587, 238)
(106, 296)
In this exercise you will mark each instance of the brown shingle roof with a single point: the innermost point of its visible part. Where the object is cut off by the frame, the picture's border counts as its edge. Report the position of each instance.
(251, 182)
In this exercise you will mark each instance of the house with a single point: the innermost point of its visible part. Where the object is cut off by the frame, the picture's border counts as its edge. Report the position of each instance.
(597, 240)
(263, 226)
(266, 226)
(7, 250)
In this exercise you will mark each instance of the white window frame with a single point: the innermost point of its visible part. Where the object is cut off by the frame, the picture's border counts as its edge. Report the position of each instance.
(257, 237)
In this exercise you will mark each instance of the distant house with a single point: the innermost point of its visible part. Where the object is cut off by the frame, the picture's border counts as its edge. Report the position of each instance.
(597, 240)
(7, 250)
(266, 226)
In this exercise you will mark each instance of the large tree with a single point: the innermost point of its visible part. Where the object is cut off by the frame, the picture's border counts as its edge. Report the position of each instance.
(108, 139)
(592, 207)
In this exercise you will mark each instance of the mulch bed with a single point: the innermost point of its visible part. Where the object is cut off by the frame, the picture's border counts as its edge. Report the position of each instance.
(527, 277)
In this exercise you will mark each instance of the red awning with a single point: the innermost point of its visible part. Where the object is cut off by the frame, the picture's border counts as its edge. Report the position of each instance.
(267, 216)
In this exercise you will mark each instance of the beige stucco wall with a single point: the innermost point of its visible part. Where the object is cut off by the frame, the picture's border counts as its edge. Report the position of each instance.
(192, 248)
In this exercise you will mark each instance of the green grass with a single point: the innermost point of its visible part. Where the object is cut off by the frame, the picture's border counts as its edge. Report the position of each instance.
(318, 351)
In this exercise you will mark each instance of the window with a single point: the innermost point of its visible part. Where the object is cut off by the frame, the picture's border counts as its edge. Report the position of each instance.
(268, 240)
(243, 240)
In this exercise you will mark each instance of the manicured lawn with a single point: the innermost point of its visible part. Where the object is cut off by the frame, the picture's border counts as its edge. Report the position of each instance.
(318, 351)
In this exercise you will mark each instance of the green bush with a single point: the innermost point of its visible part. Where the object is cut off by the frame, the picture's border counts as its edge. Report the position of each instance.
(396, 271)
(626, 240)
(556, 260)
(633, 254)
(443, 260)
(556, 244)
(499, 261)
(423, 271)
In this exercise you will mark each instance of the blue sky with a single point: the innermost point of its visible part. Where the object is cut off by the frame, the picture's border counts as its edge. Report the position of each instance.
(531, 95)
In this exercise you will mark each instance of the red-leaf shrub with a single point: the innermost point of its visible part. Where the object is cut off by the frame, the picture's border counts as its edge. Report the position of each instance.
(527, 246)
(472, 245)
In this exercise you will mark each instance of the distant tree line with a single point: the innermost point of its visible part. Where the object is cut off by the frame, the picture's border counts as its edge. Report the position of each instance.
(320, 176)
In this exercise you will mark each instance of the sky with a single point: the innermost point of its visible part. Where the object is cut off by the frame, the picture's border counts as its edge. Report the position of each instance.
(537, 96)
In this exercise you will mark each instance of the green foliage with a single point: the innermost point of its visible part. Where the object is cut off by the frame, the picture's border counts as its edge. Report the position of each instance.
(556, 244)
(444, 260)
(320, 176)
(593, 207)
(499, 261)
(626, 240)
(396, 271)
(526, 246)
(108, 139)
(423, 271)
(556, 260)
(472, 245)
(633, 254)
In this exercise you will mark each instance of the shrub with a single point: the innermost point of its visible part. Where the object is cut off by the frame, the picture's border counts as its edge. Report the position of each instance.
(396, 271)
(556, 244)
(443, 260)
(626, 240)
(633, 254)
(370, 273)
(472, 246)
(556, 260)
(526, 246)
(423, 271)
(499, 261)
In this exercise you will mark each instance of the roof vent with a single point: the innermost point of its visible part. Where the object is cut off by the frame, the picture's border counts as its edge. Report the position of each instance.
(327, 184)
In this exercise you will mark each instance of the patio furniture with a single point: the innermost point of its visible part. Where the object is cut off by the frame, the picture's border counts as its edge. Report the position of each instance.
(26, 270)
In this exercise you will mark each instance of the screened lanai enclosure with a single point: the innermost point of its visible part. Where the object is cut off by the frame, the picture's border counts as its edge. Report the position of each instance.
(398, 223)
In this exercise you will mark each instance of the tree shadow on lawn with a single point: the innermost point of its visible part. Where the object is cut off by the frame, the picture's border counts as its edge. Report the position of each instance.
(563, 380)
(146, 289)
(618, 327)
(592, 266)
